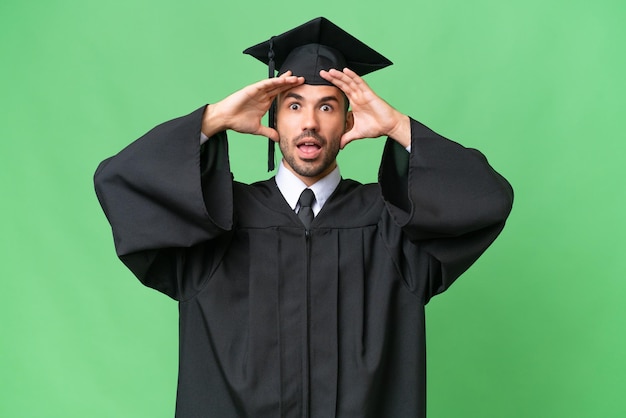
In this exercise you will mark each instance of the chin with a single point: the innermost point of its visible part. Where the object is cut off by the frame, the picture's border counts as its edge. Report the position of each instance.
(309, 171)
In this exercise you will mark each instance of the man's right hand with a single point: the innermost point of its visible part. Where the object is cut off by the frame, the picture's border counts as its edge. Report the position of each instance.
(243, 110)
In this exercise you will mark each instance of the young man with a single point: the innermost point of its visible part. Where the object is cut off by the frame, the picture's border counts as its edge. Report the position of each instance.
(302, 295)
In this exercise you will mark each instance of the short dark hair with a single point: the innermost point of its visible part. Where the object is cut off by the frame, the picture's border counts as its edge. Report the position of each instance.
(346, 101)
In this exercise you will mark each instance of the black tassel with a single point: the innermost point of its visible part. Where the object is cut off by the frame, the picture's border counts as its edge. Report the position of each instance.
(270, 146)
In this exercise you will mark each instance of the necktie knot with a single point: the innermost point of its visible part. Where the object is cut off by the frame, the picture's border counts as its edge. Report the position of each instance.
(306, 198)
(306, 212)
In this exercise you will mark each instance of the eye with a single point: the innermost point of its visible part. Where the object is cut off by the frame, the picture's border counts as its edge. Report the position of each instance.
(326, 108)
(294, 106)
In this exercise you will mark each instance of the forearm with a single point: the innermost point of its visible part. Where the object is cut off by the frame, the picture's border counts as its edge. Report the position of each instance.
(213, 121)
(400, 129)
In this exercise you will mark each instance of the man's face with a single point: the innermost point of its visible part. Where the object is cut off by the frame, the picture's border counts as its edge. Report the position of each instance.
(310, 121)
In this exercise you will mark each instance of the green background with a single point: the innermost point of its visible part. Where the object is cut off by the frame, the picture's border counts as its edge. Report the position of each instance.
(534, 329)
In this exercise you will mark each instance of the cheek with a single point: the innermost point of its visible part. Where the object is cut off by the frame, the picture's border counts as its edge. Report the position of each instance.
(337, 125)
(286, 124)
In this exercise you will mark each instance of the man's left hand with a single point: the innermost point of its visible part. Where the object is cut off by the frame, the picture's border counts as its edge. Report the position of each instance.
(373, 117)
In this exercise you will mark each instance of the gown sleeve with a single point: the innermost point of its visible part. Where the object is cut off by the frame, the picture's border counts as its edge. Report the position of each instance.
(165, 195)
(449, 202)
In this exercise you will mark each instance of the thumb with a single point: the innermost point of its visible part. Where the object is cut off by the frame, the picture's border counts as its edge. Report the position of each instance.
(267, 132)
(347, 138)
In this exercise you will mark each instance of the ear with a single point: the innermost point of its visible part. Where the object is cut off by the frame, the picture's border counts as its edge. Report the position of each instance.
(349, 121)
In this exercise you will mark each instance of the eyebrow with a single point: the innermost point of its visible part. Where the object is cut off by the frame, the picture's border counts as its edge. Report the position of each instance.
(322, 100)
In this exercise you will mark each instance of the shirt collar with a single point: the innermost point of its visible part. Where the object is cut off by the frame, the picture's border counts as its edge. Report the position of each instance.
(291, 187)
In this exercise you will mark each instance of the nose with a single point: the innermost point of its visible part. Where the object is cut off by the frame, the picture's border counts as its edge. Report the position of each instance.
(310, 121)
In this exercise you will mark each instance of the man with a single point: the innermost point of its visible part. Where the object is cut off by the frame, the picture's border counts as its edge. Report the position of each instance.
(312, 305)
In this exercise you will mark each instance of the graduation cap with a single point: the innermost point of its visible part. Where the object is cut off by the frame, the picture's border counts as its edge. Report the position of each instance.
(309, 48)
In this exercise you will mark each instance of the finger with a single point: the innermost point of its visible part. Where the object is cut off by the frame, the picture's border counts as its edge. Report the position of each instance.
(269, 83)
(346, 76)
(267, 132)
(351, 74)
(336, 77)
(275, 86)
(348, 81)
(354, 81)
(349, 136)
(285, 79)
(346, 139)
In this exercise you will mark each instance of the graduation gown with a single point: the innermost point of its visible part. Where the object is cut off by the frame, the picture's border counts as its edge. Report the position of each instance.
(279, 322)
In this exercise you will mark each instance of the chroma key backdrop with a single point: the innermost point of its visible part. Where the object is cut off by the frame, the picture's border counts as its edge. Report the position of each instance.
(536, 328)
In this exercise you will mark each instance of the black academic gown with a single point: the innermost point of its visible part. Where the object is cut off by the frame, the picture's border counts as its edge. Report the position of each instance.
(277, 322)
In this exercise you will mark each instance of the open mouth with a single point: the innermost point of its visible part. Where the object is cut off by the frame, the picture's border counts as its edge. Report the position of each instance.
(309, 149)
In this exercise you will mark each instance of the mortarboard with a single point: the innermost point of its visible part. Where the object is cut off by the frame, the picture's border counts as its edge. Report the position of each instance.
(309, 48)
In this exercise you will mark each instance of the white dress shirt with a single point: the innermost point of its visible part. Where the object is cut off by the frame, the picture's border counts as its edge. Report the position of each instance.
(291, 187)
